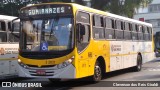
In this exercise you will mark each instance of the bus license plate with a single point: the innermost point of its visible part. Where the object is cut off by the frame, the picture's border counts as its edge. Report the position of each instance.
(41, 72)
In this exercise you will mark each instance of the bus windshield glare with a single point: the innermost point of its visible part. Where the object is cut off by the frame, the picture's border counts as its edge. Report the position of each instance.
(54, 34)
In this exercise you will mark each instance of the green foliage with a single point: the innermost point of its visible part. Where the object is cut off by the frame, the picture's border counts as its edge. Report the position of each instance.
(99, 4)
(126, 8)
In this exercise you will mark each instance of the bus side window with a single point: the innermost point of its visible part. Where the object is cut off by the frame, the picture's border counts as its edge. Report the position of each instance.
(125, 30)
(3, 32)
(134, 32)
(130, 31)
(140, 33)
(2, 26)
(130, 27)
(98, 27)
(118, 24)
(122, 25)
(3, 37)
(136, 28)
(119, 29)
(150, 33)
(143, 31)
(13, 38)
(113, 24)
(102, 21)
(9, 26)
(109, 29)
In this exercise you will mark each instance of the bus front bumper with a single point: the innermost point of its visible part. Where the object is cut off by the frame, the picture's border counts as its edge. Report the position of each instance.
(68, 72)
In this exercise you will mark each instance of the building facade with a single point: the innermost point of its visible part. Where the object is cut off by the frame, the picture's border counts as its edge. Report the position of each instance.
(151, 14)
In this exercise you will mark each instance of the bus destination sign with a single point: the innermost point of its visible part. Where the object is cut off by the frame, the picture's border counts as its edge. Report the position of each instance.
(46, 10)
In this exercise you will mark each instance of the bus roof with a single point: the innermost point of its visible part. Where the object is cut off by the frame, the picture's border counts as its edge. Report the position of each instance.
(110, 14)
(7, 18)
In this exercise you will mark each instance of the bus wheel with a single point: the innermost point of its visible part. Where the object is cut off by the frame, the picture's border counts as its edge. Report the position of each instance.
(97, 72)
(54, 80)
(138, 67)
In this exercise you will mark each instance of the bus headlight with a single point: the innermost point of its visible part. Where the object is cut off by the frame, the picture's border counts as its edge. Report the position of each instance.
(21, 64)
(66, 63)
(19, 60)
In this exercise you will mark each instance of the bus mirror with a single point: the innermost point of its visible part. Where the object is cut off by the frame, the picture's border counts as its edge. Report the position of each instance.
(80, 32)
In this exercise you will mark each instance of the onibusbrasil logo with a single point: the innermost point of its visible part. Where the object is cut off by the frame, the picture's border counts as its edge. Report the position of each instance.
(14, 84)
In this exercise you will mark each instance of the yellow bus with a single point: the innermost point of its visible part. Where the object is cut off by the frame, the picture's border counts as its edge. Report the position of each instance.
(70, 41)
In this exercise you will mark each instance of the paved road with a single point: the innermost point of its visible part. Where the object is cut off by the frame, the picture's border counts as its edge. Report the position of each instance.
(150, 72)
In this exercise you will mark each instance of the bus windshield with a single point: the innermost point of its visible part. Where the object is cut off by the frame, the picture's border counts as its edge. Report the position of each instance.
(55, 34)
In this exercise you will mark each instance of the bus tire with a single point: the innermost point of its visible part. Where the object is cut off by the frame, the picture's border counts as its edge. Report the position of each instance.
(138, 67)
(97, 72)
(53, 80)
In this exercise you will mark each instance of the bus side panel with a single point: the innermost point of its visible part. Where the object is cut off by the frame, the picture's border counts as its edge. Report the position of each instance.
(147, 51)
(107, 52)
(103, 50)
(83, 67)
(116, 60)
(8, 59)
(131, 53)
(87, 59)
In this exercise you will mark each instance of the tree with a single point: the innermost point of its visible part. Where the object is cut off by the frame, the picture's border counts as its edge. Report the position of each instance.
(99, 4)
(115, 6)
(12, 7)
(80, 2)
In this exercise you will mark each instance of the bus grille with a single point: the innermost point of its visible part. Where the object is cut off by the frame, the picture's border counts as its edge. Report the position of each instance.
(47, 68)
(43, 66)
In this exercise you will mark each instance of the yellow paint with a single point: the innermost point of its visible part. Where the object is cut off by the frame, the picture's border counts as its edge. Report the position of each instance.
(8, 58)
(42, 62)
